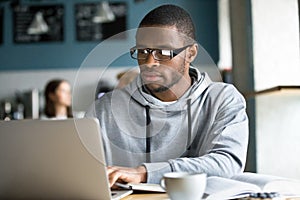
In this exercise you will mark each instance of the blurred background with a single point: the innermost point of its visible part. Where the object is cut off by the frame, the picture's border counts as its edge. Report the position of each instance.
(253, 44)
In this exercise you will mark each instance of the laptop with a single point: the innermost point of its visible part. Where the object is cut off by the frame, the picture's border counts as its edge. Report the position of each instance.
(53, 159)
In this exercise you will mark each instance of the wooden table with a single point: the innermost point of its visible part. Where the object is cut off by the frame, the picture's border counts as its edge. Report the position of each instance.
(158, 196)
(153, 196)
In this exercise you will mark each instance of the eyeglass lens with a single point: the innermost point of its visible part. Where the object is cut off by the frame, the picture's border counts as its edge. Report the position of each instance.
(156, 53)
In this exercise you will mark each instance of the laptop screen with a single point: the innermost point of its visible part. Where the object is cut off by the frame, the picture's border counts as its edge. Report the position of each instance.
(55, 159)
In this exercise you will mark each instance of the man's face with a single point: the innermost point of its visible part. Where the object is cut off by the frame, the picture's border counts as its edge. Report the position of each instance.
(159, 76)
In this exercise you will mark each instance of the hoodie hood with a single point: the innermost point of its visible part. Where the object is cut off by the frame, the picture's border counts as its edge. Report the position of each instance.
(200, 82)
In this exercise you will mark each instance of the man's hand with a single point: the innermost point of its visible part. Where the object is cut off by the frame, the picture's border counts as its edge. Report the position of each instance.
(127, 175)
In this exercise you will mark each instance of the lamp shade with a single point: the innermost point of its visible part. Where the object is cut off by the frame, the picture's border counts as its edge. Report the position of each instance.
(104, 14)
(38, 25)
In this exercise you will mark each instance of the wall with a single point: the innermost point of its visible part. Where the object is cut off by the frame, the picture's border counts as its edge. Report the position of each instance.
(276, 49)
(277, 62)
(278, 138)
(266, 54)
(27, 66)
(70, 53)
(242, 58)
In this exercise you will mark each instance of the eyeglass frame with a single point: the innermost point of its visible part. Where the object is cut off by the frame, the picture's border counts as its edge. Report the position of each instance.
(173, 52)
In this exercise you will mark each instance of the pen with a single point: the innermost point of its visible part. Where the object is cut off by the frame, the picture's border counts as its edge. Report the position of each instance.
(122, 185)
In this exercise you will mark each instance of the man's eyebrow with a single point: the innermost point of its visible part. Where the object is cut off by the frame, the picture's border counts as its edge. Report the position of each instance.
(156, 47)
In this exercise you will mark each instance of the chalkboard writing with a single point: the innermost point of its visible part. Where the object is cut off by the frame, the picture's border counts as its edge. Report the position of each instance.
(89, 30)
(38, 23)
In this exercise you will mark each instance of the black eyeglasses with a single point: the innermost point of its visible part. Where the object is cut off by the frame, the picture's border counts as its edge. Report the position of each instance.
(158, 54)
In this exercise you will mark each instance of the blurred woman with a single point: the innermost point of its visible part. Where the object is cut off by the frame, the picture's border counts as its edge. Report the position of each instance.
(58, 99)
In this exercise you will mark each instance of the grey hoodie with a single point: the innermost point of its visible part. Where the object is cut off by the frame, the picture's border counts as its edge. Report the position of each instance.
(206, 130)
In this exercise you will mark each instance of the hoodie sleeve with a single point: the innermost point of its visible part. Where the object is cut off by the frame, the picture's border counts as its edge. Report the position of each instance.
(155, 171)
(221, 150)
(224, 148)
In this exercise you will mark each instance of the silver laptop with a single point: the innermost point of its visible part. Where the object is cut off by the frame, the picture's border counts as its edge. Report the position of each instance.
(53, 159)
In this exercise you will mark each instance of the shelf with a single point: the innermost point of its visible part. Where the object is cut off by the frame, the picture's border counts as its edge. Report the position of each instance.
(281, 88)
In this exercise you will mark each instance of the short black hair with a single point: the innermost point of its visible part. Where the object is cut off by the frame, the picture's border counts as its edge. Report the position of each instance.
(171, 15)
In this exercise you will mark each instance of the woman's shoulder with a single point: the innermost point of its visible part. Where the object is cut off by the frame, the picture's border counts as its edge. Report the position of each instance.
(45, 117)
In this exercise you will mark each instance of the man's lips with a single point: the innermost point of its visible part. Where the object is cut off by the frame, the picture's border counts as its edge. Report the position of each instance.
(150, 76)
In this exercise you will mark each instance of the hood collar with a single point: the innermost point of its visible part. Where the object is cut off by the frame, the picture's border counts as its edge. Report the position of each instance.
(200, 83)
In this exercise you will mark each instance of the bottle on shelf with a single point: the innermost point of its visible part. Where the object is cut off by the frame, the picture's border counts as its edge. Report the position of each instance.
(19, 112)
(7, 111)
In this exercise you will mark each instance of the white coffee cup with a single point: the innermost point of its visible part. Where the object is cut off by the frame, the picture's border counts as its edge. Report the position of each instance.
(183, 185)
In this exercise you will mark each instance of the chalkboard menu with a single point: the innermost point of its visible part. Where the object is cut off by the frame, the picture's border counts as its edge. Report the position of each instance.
(88, 30)
(50, 17)
(1, 25)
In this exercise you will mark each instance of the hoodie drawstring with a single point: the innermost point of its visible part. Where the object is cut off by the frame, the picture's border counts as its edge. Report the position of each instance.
(188, 145)
(148, 136)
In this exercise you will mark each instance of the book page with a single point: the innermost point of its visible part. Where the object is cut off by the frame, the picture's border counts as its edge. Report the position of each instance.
(260, 180)
(268, 183)
(223, 188)
(146, 187)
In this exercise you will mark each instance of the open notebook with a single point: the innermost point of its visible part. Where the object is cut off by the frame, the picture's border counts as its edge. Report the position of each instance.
(53, 159)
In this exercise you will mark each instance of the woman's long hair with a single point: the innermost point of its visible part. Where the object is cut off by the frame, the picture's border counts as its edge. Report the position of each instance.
(51, 87)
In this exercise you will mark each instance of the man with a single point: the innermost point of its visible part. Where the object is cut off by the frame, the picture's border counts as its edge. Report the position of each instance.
(171, 117)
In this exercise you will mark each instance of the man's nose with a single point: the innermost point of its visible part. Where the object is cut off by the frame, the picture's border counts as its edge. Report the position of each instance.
(150, 61)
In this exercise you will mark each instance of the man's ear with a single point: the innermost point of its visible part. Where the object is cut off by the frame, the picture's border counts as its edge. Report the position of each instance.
(192, 53)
